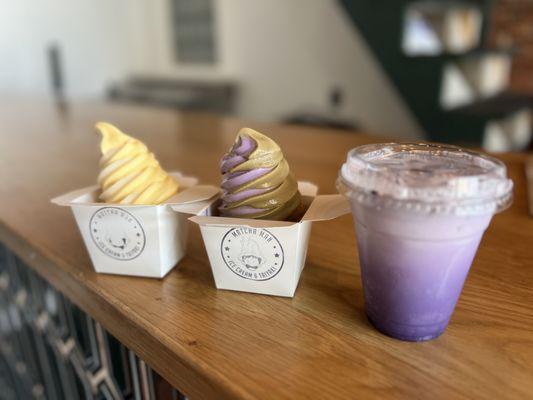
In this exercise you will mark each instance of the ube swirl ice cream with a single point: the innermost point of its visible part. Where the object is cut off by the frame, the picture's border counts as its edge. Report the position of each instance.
(256, 180)
(420, 211)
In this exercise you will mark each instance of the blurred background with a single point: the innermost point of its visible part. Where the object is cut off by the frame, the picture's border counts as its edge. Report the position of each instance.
(449, 71)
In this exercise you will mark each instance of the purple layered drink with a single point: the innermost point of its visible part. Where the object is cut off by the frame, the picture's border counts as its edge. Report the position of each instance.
(420, 211)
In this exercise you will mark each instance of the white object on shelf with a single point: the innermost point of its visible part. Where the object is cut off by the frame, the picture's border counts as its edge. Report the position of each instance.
(431, 29)
(529, 183)
(520, 127)
(477, 77)
(512, 132)
(488, 74)
(462, 29)
(455, 90)
(419, 36)
(495, 140)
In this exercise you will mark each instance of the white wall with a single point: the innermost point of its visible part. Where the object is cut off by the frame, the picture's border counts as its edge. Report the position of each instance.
(92, 34)
(290, 54)
(285, 55)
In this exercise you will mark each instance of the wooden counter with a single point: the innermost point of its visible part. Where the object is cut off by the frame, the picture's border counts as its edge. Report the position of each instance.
(219, 344)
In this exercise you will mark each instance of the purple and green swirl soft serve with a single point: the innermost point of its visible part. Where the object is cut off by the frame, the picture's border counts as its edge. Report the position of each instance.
(256, 180)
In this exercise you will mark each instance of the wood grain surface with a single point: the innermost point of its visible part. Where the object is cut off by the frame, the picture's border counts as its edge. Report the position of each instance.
(220, 344)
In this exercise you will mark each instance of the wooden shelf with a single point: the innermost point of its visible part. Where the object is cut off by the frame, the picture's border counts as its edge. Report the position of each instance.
(497, 106)
(218, 344)
(476, 52)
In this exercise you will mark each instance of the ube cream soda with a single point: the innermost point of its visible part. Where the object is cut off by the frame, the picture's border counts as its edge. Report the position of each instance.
(420, 211)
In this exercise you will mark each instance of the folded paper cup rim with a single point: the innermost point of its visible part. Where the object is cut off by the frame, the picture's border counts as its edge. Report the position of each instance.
(320, 208)
(188, 192)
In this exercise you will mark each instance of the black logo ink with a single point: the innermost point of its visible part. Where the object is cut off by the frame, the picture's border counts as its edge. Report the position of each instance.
(117, 233)
(252, 253)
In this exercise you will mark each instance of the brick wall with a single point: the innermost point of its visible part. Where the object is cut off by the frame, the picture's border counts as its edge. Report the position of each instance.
(512, 24)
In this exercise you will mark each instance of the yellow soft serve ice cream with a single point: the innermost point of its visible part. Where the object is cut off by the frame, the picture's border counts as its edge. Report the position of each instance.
(129, 172)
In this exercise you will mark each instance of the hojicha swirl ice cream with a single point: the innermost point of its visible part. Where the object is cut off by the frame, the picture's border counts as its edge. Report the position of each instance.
(130, 174)
(256, 180)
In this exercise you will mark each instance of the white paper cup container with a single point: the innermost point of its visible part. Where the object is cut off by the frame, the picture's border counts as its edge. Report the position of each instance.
(138, 240)
(260, 256)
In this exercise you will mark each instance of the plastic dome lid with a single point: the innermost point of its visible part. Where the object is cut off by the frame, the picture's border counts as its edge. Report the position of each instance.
(426, 177)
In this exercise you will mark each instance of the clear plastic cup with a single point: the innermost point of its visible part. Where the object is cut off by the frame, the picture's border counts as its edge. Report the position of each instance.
(420, 211)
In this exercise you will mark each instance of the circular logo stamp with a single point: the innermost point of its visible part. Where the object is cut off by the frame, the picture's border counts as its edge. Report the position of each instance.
(117, 233)
(252, 253)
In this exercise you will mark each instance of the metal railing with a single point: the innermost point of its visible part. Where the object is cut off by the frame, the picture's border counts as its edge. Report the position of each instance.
(50, 349)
